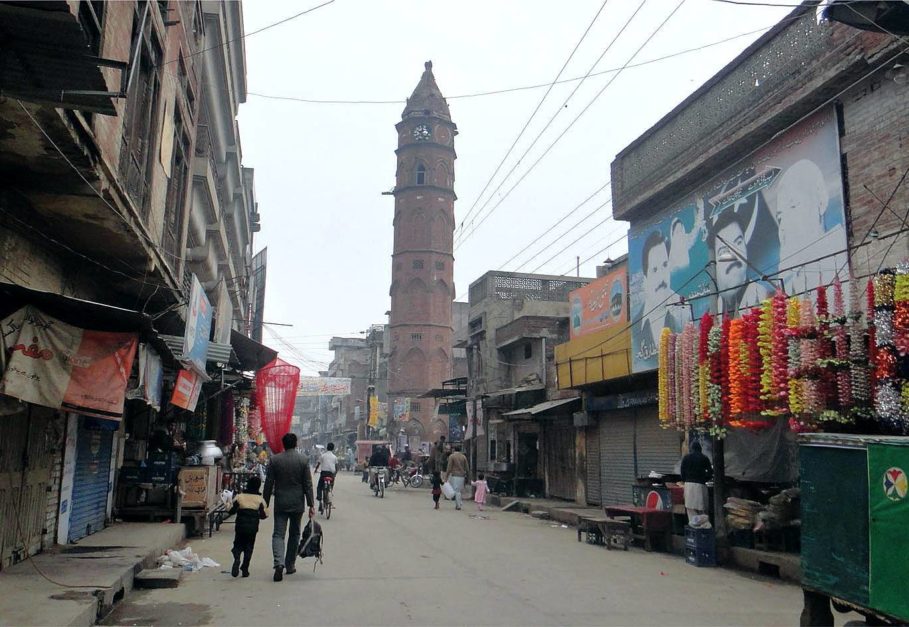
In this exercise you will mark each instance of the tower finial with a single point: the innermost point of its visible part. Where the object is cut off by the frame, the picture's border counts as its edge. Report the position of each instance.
(428, 66)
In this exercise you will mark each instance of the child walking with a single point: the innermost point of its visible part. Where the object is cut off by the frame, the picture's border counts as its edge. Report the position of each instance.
(436, 487)
(480, 490)
(249, 508)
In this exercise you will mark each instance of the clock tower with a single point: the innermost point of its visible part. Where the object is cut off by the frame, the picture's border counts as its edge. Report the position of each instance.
(422, 274)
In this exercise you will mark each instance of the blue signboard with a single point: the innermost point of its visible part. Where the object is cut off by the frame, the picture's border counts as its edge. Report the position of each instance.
(198, 329)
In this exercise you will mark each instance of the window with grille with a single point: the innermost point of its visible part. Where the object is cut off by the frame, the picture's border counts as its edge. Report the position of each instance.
(417, 264)
(416, 337)
(414, 406)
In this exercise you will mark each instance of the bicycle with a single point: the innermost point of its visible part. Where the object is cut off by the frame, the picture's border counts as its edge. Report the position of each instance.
(328, 488)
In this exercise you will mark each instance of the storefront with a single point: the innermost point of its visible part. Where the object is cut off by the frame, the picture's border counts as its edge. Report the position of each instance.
(545, 438)
(630, 444)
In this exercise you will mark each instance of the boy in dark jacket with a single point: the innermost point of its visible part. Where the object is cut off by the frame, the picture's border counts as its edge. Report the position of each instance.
(250, 509)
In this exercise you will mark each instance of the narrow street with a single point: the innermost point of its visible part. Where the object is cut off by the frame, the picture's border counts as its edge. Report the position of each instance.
(395, 561)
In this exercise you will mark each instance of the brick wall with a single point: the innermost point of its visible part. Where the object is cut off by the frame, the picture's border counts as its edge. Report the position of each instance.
(875, 145)
(49, 537)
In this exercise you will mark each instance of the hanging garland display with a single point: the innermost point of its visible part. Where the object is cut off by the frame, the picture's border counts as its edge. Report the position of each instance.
(819, 364)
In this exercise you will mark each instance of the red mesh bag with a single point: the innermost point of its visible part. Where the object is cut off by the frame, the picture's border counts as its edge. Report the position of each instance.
(276, 392)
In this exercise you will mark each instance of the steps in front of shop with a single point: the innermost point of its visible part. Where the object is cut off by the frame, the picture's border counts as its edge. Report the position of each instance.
(103, 566)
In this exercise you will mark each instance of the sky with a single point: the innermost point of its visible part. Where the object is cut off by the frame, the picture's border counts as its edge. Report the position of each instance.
(321, 168)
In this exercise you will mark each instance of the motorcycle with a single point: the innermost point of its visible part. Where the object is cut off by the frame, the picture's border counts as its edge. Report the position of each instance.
(409, 477)
(380, 479)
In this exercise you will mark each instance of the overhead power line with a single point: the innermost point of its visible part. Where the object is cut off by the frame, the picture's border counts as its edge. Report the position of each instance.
(535, 111)
(253, 32)
(573, 122)
(545, 128)
(508, 90)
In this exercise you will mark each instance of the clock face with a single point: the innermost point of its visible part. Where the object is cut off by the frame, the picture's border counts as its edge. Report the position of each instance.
(422, 133)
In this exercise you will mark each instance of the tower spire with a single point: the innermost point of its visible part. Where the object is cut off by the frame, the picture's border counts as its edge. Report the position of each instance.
(427, 98)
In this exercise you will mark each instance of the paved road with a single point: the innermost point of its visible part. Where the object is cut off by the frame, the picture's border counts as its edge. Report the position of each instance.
(395, 561)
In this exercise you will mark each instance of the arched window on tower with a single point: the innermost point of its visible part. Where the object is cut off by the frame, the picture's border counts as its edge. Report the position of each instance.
(421, 174)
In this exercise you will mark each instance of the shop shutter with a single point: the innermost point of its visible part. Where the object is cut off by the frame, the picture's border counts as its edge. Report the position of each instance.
(561, 464)
(658, 449)
(616, 456)
(91, 481)
(593, 465)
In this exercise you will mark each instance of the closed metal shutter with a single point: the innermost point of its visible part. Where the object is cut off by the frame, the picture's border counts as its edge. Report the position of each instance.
(658, 449)
(91, 481)
(594, 497)
(616, 456)
(561, 466)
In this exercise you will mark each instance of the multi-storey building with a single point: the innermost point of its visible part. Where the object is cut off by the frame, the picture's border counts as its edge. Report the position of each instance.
(120, 176)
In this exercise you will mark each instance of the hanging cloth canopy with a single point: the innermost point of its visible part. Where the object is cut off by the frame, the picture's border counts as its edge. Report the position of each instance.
(276, 392)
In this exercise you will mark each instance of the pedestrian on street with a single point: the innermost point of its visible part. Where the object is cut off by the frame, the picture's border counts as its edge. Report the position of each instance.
(436, 487)
(437, 455)
(480, 491)
(249, 508)
(289, 479)
(696, 472)
(456, 471)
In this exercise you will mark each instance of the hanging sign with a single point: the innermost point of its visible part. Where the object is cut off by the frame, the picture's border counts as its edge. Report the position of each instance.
(186, 390)
(198, 329)
(54, 364)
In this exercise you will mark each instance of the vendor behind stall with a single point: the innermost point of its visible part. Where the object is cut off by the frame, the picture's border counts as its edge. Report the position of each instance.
(696, 472)
(168, 439)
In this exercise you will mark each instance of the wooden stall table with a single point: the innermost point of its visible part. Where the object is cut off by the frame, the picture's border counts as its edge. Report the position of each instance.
(647, 523)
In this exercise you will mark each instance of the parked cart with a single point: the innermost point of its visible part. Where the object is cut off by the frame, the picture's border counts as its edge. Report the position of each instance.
(855, 513)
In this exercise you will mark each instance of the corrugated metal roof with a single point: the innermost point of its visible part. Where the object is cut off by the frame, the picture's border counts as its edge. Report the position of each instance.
(217, 353)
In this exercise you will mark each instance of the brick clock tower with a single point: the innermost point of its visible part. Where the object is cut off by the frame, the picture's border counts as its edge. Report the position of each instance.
(422, 278)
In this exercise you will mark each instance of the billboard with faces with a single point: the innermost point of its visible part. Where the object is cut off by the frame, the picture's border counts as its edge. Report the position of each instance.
(781, 209)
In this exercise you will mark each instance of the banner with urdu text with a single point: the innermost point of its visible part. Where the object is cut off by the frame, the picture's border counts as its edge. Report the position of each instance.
(54, 364)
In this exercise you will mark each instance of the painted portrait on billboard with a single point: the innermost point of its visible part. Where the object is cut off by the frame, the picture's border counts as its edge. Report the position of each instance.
(775, 219)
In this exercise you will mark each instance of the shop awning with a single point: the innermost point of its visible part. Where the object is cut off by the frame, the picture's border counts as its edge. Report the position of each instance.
(523, 388)
(252, 354)
(85, 314)
(548, 408)
(47, 59)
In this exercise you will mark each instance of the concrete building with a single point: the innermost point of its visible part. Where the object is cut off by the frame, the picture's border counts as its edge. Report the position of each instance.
(120, 177)
(422, 285)
(351, 360)
(514, 323)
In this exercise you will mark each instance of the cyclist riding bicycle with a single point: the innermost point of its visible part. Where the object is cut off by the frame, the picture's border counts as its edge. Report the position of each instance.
(328, 462)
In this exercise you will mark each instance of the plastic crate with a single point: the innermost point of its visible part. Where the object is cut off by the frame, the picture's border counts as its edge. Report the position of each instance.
(700, 539)
(699, 558)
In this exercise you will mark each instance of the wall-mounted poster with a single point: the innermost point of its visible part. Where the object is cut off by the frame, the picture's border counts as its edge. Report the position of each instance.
(781, 209)
(600, 304)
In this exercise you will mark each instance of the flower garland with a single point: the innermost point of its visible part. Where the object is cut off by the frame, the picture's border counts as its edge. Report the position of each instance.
(794, 354)
(663, 377)
(888, 392)
(816, 363)
(715, 386)
(241, 426)
(704, 381)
